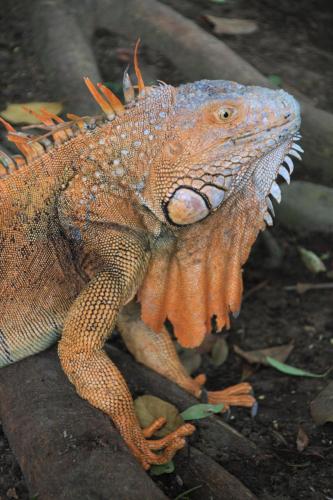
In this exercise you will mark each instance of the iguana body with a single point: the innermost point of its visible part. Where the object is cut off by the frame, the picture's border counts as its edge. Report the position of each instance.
(161, 198)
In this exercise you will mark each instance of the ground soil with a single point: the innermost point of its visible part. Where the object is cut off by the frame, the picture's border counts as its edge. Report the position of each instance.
(292, 42)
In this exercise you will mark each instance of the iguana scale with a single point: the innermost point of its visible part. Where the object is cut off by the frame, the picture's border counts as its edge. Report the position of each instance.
(160, 199)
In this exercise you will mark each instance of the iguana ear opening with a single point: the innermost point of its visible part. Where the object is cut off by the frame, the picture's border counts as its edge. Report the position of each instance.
(186, 206)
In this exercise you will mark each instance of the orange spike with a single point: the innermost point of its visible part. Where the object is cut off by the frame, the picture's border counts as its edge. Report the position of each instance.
(67, 132)
(19, 160)
(73, 117)
(39, 116)
(21, 142)
(116, 103)
(7, 125)
(141, 85)
(51, 115)
(105, 106)
(78, 120)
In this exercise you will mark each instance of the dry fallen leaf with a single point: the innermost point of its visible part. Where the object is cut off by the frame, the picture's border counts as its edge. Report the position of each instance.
(280, 353)
(15, 113)
(149, 408)
(302, 440)
(321, 407)
(223, 26)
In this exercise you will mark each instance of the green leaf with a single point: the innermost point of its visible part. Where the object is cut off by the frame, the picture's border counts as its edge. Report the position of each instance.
(291, 370)
(311, 261)
(196, 412)
(275, 80)
(158, 470)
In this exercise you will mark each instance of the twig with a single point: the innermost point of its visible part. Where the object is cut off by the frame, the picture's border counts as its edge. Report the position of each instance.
(305, 287)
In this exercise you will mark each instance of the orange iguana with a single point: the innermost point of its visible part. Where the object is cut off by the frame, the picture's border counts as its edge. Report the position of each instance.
(159, 198)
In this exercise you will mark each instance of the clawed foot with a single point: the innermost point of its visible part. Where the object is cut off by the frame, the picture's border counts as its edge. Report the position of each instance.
(145, 450)
(235, 395)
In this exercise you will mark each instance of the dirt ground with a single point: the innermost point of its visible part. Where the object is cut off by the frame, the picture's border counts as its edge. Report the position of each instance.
(292, 42)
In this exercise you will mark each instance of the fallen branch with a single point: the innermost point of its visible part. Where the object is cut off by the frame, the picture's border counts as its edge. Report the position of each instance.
(305, 287)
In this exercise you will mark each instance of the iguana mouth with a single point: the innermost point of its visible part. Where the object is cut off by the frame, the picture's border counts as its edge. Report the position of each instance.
(284, 170)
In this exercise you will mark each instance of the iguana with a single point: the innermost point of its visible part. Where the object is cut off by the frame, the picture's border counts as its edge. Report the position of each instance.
(158, 200)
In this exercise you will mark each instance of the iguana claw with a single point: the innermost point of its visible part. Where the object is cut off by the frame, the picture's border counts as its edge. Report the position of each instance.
(144, 449)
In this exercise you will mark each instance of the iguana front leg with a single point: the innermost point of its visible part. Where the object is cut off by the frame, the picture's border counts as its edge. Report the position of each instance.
(87, 326)
(157, 351)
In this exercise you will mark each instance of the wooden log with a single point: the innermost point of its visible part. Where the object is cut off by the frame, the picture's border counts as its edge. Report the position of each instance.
(306, 207)
(65, 53)
(66, 448)
(200, 55)
(211, 480)
(69, 450)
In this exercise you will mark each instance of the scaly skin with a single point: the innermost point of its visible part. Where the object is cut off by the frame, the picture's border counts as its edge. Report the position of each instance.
(162, 200)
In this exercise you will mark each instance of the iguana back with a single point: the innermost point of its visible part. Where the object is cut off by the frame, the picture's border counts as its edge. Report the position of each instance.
(161, 197)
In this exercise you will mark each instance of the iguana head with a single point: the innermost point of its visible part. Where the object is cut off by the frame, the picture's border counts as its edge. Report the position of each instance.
(220, 138)
(210, 182)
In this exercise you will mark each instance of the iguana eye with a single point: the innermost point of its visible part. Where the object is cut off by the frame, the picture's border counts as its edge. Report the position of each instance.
(224, 114)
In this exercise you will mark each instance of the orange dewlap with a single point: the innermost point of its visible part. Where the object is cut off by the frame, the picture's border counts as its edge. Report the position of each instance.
(201, 276)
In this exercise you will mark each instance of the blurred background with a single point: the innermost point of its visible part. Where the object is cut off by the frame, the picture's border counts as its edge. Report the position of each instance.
(47, 46)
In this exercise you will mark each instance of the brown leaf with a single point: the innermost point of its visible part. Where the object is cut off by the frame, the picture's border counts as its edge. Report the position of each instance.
(149, 408)
(220, 352)
(302, 440)
(321, 407)
(11, 493)
(280, 353)
(223, 26)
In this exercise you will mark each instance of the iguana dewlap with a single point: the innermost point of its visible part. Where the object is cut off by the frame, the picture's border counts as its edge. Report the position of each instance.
(160, 197)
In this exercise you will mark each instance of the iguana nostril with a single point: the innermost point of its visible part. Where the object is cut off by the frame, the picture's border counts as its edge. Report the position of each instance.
(287, 115)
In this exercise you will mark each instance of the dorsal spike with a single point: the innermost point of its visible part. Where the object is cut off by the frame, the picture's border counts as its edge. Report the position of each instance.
(128, 88)
(116, 103)
(40, 116)
(105, 106)
(7, 164)
(19, 160)
(78, 120)
(141, 85)
(7, 125)
(21, 142)
(66, 133)
(51, 115)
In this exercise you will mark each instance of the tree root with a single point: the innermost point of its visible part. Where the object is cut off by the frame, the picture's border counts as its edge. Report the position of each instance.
(69, 450)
